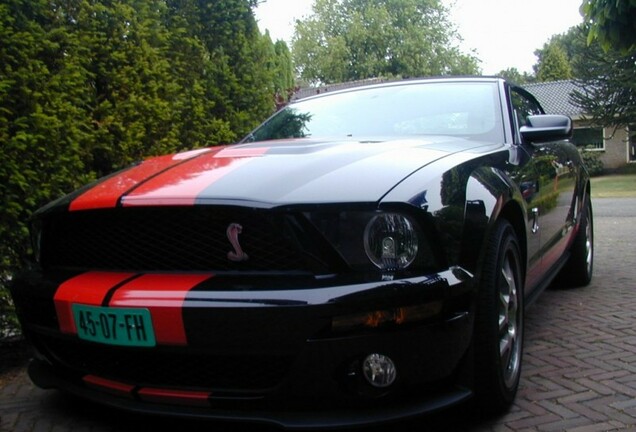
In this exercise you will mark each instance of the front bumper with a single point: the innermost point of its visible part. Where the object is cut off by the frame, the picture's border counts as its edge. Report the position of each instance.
(44, 376)
(268, 356)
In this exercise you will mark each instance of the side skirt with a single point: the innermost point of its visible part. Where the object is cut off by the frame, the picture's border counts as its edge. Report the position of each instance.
(551, 274)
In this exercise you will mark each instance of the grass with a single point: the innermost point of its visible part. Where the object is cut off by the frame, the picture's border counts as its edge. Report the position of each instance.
(619, 185)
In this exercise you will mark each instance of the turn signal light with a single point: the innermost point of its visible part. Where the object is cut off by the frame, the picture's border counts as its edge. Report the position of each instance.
(381, 318)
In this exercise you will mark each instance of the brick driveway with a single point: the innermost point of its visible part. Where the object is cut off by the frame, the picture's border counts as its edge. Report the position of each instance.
(579, 369)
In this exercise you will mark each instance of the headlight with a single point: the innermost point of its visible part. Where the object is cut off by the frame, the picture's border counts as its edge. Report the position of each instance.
(375, 242)
(390, 241)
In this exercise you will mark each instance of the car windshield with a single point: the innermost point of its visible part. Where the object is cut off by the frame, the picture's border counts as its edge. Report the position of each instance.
(462, 109)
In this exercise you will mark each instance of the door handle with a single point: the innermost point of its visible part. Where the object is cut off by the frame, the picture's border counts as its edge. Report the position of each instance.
(535, 220)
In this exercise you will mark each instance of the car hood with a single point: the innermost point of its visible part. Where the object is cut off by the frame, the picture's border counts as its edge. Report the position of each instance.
(272, 173)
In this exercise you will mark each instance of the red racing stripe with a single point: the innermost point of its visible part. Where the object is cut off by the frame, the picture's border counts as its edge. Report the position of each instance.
(107, 193)
(109, 386)
(87, 288)
(182, 184)
(180, 397)
(163, 295)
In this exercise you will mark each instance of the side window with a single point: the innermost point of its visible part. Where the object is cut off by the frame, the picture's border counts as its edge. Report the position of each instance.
(522, 108)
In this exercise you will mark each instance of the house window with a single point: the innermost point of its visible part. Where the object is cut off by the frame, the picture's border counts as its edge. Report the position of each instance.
(591, 138)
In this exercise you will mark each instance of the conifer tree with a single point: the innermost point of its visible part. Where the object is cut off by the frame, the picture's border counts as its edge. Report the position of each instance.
(90, 86)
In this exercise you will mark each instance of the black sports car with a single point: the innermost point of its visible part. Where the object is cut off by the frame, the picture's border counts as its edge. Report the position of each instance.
(363, 255)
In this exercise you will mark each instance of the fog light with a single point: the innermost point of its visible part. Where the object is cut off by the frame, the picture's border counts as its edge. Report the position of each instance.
(379, 370)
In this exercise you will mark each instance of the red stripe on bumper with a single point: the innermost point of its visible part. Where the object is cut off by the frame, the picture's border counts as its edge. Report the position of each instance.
(148, 394)
(183, 184)
(107, 193)
(88, 288)
(179, 397)
(163, 295)
(113, 387)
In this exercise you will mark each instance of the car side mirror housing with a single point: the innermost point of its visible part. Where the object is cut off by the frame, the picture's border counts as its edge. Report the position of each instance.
(547, 127)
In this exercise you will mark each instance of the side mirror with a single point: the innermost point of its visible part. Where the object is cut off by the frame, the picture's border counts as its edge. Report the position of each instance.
(547, 127)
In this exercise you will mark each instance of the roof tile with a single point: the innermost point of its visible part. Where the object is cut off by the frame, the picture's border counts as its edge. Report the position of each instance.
(554, 96)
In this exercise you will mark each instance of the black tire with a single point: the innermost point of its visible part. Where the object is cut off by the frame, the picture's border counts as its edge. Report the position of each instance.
(579, 268)
(499, 322)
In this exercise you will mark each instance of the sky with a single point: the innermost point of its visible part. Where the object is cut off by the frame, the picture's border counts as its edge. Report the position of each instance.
(502, 33)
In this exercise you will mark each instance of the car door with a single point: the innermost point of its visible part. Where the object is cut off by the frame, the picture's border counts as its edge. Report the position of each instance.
(549, 190)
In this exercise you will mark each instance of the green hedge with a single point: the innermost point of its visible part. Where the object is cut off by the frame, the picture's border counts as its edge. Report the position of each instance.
(88, 87)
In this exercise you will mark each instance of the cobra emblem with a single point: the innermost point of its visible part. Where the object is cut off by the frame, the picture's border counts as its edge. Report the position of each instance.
(237, 255)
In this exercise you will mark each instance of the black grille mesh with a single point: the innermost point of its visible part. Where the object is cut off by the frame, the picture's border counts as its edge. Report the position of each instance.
(169, 239)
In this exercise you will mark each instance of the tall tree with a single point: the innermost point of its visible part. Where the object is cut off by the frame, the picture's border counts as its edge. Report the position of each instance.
(607, 82)
(612, 23)
(283, 72)
(89, 86)
(554, 65)
(122, 46)
(346, 40)
(606, 71)
(235, 76)
(569, 42)
(606, 78)
(42, 121)
(513, 75)
(281, 68)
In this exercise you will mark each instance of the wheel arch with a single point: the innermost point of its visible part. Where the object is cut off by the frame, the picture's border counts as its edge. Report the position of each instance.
(504, 203)
(513, 213)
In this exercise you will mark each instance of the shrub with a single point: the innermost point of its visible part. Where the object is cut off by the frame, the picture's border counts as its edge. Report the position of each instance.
(593, 162)
(9, 326)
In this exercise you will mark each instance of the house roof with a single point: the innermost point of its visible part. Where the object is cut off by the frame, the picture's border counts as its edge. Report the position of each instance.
(554, 96)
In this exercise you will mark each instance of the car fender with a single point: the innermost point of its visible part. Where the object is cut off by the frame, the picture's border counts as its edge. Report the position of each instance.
(491, 194)
(463, 202)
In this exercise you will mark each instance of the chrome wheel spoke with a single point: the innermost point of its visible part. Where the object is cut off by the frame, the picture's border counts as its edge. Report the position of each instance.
(509, 343)
(588, 245)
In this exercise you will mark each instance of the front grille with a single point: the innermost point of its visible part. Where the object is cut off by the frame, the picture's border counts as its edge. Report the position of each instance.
(171, 239)
(167, 366)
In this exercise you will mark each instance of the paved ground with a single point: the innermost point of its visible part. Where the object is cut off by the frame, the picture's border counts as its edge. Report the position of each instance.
(579, 369)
